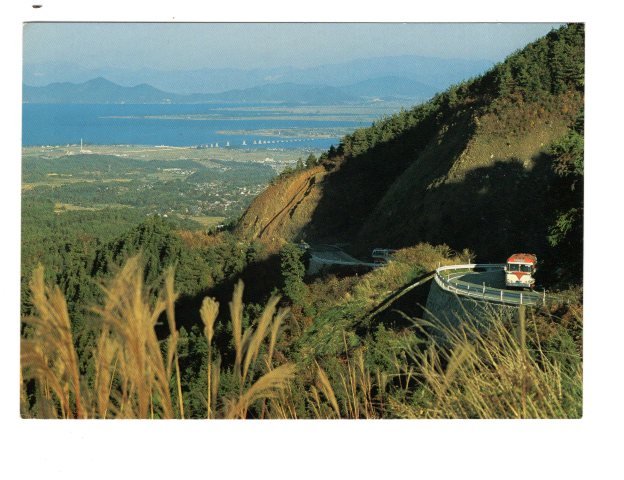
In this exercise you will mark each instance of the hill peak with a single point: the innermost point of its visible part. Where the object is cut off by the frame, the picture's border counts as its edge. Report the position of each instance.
(99, 81)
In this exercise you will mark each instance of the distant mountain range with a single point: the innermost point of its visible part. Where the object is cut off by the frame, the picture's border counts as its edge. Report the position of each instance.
(98, 90)
(101, 90)
(438, 73)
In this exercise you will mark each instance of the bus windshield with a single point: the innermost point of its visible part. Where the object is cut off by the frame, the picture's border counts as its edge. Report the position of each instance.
(515, 267)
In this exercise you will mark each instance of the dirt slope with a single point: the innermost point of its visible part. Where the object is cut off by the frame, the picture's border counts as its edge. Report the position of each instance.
(284, 208)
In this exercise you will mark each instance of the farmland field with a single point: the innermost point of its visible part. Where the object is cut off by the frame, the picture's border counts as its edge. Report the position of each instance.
(205, 185)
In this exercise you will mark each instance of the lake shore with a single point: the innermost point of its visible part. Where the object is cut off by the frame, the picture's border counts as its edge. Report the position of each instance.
(284, 156)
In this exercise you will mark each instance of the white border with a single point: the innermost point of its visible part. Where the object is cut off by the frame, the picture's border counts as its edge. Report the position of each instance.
(473, 449)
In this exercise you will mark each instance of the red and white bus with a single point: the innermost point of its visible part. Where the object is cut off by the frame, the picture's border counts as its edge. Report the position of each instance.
(520, 270)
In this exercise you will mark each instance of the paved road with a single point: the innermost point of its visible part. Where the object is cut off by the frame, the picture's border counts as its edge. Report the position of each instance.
(333, 255)
(487, 283)
(493, 278)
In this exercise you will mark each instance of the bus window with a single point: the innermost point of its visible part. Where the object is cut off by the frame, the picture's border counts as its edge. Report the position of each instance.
(525, 268)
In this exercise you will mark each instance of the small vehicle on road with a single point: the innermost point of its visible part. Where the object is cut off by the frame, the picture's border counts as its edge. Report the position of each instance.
(303, 246)
(520, 270)
(382, 255)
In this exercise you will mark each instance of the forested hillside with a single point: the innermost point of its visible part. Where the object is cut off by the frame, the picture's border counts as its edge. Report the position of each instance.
(485, 165)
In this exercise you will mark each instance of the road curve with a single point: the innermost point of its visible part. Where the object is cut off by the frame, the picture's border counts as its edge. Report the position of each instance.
(326, 255)
(485, 282)
(482, 281)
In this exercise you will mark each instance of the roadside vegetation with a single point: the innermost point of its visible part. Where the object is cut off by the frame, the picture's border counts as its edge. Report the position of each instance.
(268, 361)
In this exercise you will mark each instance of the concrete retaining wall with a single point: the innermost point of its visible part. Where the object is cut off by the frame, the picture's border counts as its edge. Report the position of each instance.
(451, 309)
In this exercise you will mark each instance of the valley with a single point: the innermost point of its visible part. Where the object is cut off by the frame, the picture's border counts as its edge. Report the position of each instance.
(187, 182)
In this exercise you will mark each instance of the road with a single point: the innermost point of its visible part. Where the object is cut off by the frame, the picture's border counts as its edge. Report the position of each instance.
(486, 282)
(324, 255)
(479, 281)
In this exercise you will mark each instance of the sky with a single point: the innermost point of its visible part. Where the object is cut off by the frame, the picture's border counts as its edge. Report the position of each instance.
(188, 46)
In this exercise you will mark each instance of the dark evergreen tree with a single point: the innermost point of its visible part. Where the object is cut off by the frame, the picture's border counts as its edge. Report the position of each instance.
(293, 271)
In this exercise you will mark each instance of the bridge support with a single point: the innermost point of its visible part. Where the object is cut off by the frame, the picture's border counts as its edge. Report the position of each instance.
(451, 309)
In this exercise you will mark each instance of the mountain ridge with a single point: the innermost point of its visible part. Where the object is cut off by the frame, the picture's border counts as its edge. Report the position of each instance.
(102, 90)
(437, 72)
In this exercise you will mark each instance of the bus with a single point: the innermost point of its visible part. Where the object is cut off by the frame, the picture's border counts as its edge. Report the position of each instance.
(520, 270)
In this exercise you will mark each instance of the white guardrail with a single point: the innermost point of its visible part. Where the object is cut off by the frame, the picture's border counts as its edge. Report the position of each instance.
(449, 279)
(331, 261)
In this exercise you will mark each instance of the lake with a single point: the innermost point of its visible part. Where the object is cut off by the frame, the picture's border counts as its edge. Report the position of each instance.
(269, 126)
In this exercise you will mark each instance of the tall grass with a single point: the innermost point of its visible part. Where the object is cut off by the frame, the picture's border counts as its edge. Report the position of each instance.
(49, 355)
(472, 372)
(494, 365)
(134, 371)
(268, 380)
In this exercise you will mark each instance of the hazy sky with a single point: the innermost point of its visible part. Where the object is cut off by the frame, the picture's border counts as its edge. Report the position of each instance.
(171, 46)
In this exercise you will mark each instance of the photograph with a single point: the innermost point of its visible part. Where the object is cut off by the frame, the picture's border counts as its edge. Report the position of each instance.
(301, 220)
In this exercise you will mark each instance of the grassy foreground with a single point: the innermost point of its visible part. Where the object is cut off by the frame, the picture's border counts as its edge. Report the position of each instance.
(428, 371)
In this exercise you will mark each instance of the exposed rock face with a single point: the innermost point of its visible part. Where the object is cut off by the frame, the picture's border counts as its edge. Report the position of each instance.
(283, 210)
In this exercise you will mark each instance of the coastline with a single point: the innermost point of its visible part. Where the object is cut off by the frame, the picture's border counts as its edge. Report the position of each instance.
(285, 156)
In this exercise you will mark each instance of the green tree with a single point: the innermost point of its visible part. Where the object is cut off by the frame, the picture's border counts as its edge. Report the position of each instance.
(504, 79)
(293, 270)
(566, 231)
(156, 240)
(568, 153)
(311, 161)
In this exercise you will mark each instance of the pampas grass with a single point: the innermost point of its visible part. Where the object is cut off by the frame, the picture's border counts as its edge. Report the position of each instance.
(487, 367)
(132, 374)
(48, 356)
(248, 345)
(127, 323)
(208, 312)
(472, 372)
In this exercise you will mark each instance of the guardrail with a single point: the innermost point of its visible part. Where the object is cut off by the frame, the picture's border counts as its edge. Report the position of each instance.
(451, 283)
(331, 261)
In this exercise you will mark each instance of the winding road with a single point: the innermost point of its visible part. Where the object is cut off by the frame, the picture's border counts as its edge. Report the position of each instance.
(324, 255)
(485, 282)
